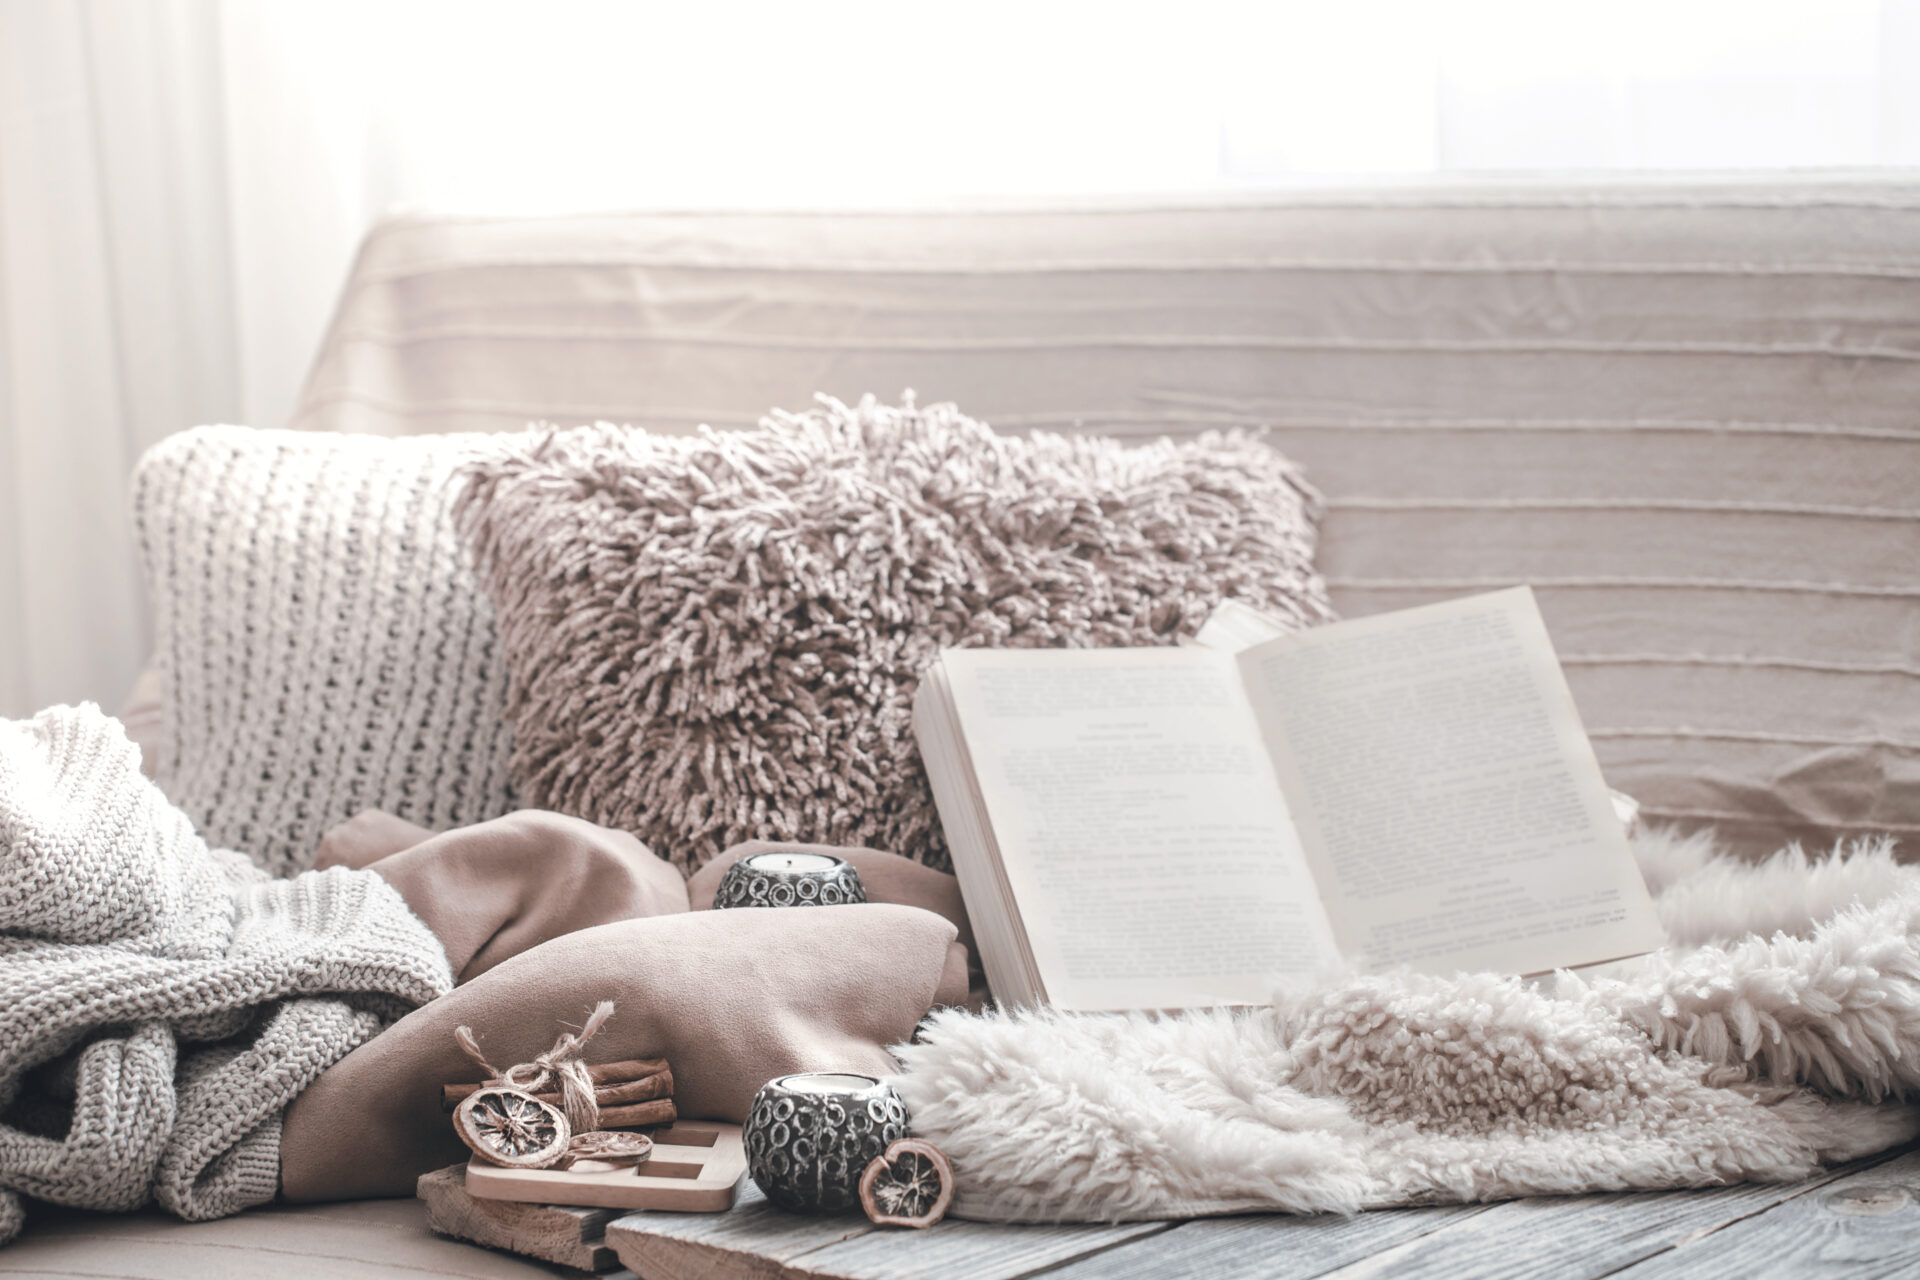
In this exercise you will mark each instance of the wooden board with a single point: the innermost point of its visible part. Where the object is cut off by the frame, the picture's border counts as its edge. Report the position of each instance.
(1863, 1225)
(1570, 1237)
(1861, 1220)
(1581, 1237)
(1577, 1237)
(694, 1168)
(759, 1242)
(572, 1237)
(1265, 1245)
(755, 1239)
(355, 1240)
(977, 1250)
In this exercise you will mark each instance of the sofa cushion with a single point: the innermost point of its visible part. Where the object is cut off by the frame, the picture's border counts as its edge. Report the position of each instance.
(322, 645)
(717, 638)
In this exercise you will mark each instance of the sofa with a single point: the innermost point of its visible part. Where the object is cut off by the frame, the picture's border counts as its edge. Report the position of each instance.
(1687, 411)
(1684, 411)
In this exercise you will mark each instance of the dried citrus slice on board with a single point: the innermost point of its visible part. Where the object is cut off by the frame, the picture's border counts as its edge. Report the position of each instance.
(511, 1128)
(608, 1147)
(908, 1185)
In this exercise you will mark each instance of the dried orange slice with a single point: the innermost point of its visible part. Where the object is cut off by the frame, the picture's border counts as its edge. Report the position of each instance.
(511, 1128)
(908, 1185)
(608, 1147)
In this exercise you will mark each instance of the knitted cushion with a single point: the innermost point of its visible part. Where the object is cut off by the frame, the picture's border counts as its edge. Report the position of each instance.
(322, 644)
(717, 638)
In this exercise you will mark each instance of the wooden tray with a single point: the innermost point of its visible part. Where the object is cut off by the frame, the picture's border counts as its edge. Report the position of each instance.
(694, 1168)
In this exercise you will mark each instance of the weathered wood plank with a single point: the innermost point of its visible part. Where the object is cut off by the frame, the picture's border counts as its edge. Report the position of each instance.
(976, 1250)
(1573, 1237)
(751, 1240)
(756, 1241)
(364, 1240)
(1862, 1225)
(555, 1233)
(1269, 1245)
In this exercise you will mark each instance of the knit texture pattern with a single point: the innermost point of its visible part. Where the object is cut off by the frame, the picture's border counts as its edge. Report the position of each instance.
(164, 1001)
(323, 645)
(717, 638)
(1778, 1031)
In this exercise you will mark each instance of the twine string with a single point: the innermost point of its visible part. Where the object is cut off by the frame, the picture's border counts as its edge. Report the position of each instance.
(562, 1062)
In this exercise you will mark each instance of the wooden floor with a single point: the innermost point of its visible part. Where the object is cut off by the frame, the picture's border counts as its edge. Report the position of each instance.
(1859, 1221)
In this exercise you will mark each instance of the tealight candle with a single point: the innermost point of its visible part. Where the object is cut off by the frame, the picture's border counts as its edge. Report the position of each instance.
(789, 878)
(810, 1137)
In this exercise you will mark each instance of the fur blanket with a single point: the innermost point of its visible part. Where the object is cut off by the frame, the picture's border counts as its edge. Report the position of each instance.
(1780, 1029)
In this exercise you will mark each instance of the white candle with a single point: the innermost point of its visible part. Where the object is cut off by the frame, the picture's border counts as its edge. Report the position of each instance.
(801, 863)
(827, 1083)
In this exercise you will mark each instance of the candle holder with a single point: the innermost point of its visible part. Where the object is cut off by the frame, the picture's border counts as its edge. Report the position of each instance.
(810, 1137)
(789, 879)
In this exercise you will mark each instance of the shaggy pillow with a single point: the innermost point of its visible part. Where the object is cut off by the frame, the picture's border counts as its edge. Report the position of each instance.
(716, 638)
(323, 647)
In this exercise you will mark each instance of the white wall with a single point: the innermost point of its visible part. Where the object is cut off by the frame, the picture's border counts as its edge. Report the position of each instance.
(183, 182)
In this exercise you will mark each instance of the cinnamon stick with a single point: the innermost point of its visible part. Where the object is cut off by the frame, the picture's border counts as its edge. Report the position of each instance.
(643, 1090)
(631, 1069)
(638, 1113)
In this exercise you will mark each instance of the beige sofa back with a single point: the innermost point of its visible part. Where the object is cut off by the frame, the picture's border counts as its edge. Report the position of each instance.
(1689, 415)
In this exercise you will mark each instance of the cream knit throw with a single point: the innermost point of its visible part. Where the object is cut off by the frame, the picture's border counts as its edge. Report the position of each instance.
(1780, 1030)
(164, 1001)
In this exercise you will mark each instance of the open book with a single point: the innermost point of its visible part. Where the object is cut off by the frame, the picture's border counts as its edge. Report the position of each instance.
(1168, 827)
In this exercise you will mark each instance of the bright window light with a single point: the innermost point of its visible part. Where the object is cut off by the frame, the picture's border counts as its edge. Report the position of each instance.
(527, 108)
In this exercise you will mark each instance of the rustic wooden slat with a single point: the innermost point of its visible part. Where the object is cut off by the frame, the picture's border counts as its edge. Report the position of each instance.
(555, 1233)
(1268, 1245)
(1862, 1225)
(976, 1250)
(1573, 1237)
(753, 1239)
(363, 1240)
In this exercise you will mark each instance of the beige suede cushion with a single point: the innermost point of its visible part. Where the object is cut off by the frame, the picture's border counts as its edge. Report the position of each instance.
(729, 998)
(718, 639)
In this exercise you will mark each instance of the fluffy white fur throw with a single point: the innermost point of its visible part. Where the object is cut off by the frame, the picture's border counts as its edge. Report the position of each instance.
(1778, 1030)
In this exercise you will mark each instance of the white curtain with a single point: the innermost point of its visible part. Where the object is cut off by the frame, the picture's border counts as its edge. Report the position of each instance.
(116, 316)
(183, 182)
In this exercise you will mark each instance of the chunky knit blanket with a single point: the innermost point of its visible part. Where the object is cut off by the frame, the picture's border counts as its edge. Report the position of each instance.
(164, 1001)
(1780, 1029)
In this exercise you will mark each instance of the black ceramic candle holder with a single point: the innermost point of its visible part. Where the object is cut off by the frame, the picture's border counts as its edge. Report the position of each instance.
(783, 879)
(810, 1137)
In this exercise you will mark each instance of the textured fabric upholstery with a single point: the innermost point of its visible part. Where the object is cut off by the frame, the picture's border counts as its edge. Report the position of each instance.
(1689, 414)
(718, 638)
(322, 646)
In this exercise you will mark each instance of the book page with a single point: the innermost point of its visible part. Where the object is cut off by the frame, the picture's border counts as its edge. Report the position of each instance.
(1449, 801)
(1139, 825)
(1005, 956)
